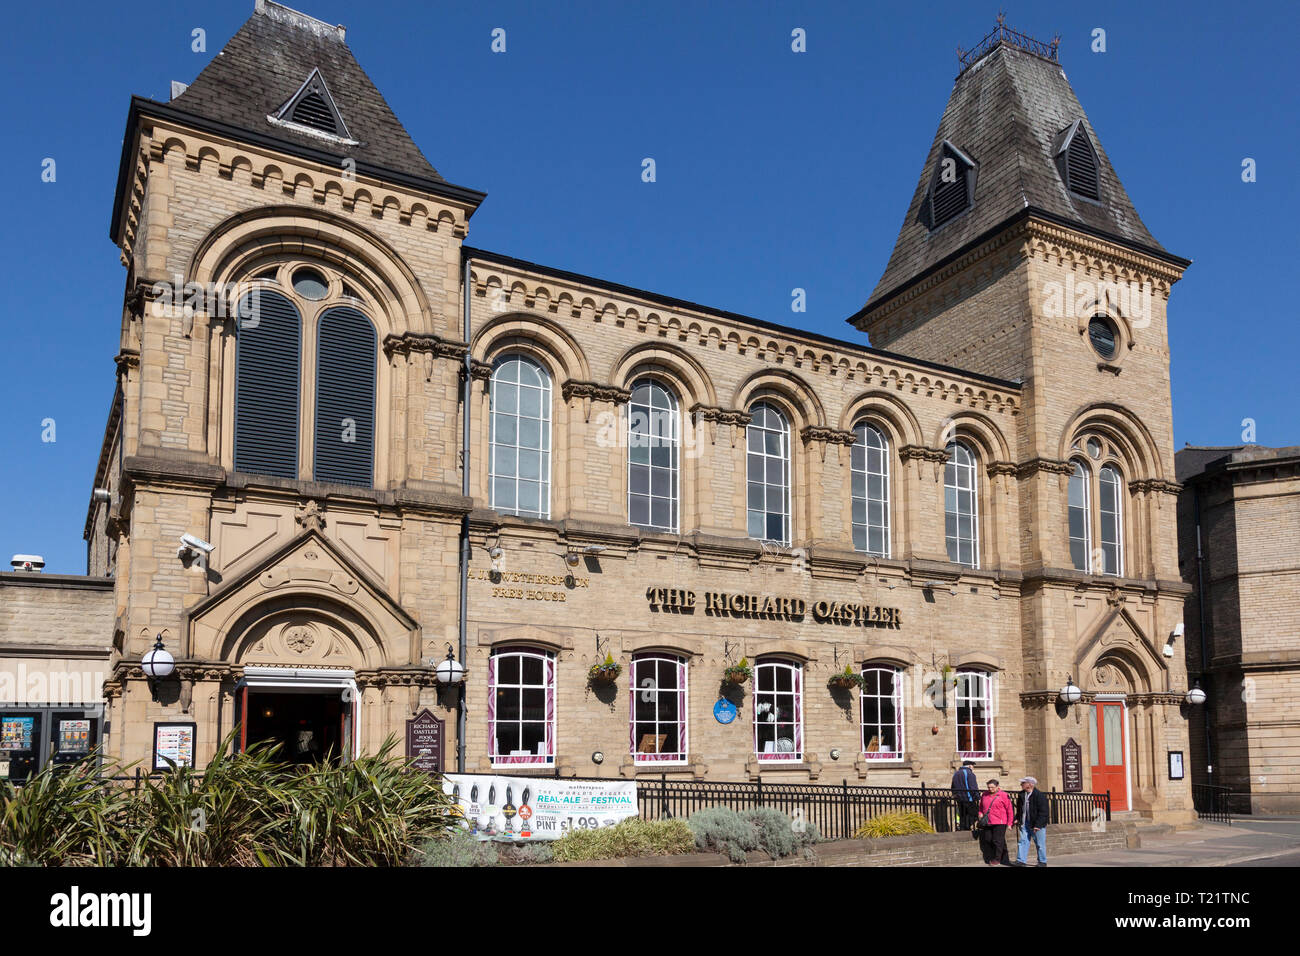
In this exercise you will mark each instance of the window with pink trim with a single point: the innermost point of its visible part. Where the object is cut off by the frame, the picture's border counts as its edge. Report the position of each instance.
(521, 706)
(658, 709)
(882, 713)
(974, 715)
(778, 710)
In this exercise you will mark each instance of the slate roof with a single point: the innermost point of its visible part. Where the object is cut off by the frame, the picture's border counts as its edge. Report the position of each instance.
(266, 62)
(1007, 111)
(1192, 461)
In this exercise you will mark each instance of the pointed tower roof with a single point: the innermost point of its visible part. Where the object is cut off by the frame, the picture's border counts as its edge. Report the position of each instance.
(1014, 114)
(269, 62)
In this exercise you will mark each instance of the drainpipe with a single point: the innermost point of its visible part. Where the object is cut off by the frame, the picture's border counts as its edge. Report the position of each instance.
(466, 388)
(1200, 617)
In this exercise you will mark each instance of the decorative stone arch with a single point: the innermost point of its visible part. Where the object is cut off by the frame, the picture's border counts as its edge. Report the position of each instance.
(1125, 430)
(978, 431)
(883, 654)
(536, 336)
(554, 639)
(233, 249)
(792, 652)
(800, 401)
(885, 409)
(1117, 642)
(308, 582)
(669, 363)
(649, 642)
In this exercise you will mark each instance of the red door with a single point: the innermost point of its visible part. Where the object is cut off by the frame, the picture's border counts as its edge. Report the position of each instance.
(1108, 749)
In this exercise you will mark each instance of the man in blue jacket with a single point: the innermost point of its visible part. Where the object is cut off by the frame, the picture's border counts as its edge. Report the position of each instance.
(966, 792)
(1032, 813)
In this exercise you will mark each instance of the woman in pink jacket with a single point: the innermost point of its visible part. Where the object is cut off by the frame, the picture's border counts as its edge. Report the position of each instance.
(993, 835)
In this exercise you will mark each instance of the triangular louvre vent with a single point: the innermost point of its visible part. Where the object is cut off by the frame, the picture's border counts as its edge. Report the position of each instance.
(312, 108)
(952, 188)
(1077, 163)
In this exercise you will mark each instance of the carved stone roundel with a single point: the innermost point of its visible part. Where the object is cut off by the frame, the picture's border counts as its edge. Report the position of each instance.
(299, 638)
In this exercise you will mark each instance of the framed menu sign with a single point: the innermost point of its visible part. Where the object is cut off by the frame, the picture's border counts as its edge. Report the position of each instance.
(74, 736)
(424, 742)
(173, 742)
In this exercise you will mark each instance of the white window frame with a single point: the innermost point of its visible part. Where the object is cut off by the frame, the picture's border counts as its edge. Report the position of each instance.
(550, 679)
(986, 679)
(796, 682)
(786, 457)
(1086, 479)
(862, 429)
(673, 441)
(545, 430)
(638, 687)
(1118, 543)
(896, 674)
(951, 469)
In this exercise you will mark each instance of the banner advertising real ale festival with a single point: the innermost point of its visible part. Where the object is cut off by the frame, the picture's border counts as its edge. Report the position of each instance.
(530, 808)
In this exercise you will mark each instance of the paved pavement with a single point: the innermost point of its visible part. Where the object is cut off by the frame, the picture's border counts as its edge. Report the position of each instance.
(1266, 841)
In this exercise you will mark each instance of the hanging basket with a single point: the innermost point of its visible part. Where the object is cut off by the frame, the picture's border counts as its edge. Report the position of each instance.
(844, 682)
(604, 674)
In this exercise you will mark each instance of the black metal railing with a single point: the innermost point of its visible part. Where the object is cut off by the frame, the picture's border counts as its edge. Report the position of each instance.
(837, 810)
(1212, 803)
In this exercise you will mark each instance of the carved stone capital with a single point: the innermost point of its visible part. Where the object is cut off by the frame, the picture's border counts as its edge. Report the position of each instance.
(831, 436)
(1027, 469)
(720, 416)
(595, 391)
(1002, 468)
(922, 453)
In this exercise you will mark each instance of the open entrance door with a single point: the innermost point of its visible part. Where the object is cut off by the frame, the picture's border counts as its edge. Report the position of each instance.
(309, 713)
(1109, 752)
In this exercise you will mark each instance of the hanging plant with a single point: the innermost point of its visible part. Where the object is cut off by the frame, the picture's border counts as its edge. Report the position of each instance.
(606, 672)
(738, 673)
(845, 680)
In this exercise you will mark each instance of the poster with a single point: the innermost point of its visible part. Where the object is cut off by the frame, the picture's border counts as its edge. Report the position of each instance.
(16, 733)
(74, 736)
(174, 742)
(538, 808)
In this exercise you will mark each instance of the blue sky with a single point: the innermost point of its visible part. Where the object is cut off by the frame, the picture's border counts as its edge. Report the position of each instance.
(775, 170)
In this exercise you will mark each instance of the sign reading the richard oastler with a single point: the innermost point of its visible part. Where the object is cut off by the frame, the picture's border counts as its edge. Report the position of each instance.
(424, 738)
(767, 606)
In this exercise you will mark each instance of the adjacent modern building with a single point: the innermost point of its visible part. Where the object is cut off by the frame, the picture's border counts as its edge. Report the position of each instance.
(1238, 536)
(387, 446)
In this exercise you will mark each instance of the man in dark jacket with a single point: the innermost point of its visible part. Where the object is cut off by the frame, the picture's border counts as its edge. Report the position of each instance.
(1032, 815)
(966, 793)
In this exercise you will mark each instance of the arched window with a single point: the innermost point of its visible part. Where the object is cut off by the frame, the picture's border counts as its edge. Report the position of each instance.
(1112, 515)
(658, 709)
(1102, 482)
(960, 506)
(870, 459)
(882, 713)
(768, 474)
(520, 472)
(345, 397)
(974, 715)
(778, 710)
(521, 706)
(1080, 517)
(652, 457)
(268, 342)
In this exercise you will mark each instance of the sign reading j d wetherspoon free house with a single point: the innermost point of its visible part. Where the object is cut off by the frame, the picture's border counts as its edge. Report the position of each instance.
(773, 608)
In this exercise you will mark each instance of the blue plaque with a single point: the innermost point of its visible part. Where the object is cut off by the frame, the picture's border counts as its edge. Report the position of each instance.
(724, 711)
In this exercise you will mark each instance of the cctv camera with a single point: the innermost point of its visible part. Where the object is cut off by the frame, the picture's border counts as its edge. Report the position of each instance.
(1178, 629)
(197, 544)
(1169, 650)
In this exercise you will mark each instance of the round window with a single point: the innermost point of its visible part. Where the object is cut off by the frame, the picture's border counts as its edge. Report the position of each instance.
(310, 284)
(1101, 333)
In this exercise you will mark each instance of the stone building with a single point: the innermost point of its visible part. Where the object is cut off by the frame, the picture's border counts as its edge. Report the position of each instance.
(1238, 535)
(318, 377)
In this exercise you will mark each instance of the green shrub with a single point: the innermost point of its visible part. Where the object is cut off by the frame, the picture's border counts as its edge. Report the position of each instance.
(63, 817)
(632, 837)
(733, 833)
(897, 823)
(457, 847)
(538, 852)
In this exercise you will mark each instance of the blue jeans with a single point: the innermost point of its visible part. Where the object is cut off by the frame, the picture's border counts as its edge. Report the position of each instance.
(1039, 838)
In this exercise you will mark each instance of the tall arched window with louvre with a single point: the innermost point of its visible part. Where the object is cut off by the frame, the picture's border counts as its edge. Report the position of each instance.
(345, 398)
(268, 343)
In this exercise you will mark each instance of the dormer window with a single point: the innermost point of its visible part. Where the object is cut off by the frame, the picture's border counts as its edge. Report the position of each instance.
(952, 188)
(1077, 163)
(311, 110)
